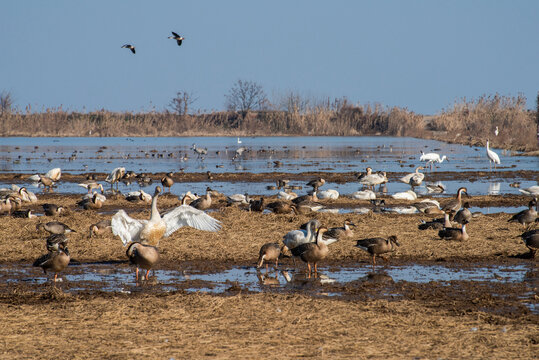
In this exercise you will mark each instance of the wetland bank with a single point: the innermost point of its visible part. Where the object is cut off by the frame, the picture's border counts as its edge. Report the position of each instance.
(431, 299)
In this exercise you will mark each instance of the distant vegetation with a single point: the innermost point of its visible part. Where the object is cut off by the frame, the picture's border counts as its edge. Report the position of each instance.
(251, 113)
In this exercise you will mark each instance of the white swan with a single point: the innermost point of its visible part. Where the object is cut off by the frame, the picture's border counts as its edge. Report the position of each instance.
(287, 195)
(328, 194)
(415, 178)
(405, 195)
(295, 238)
(531, 191)
(152, 230)
(492, 157)
(364, 195)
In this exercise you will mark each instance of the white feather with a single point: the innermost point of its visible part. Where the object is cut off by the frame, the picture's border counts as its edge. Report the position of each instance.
(127, 228)
(185, 215)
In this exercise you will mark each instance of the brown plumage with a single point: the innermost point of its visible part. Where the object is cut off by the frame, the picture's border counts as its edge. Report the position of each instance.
(526, 217)
(437, 224)
(316, 183)
(281, 207)
(257, 205)
(454, 233)
(341, 232)
(54, 261)
(142, 256)
(312, 252)
(100, 227)
(167, 181)
(464, 215)
(54, 227)
(203, 202)
(92, 203)
(269, 252)
(455, 204)
(531, 240)
(377, 246)
(307, 197)
(52, 209)
(46, 181)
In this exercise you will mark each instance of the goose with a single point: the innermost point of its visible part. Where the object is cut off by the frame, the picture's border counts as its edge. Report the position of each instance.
(93, 203)
(437, 188)
(5, 206)
(431, 158)
(137, 196)
(54, 261)
(526, 217)
(377, 246)
(312, 252)
(464, 215)
(316, 183)
(46, 181)
(23, 214)
(405, 195)
(306, 207)
(152, 230)
(492, 157)
(282, 183)
(268, 252)
(204, 202)
(531, 240)
(281, 207)
(454, 233)
(364, 195)
(371, 180)
(428, 206)
(55, 242)
(436, 224)
(295, 238)
(455, 204)
(115, 176)
(52, 209)
(130, 47)
(142, 256)
(167, 181)
(54, 227)
(415, 178)
(308, 197)
(339, 233)
(177, 37)
(257, 205)
(19, 193)
(100, 228)
(92, 185)
(328, 194)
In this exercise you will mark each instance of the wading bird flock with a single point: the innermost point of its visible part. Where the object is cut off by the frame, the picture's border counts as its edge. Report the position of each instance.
(310, 244)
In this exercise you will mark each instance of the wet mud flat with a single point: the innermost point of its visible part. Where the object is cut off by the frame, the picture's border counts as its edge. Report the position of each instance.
(431, 299)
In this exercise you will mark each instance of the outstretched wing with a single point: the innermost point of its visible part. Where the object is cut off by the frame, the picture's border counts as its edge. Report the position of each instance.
(186, 215)
(127, 228)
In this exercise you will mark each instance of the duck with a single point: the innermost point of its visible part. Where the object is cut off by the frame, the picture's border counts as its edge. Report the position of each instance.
(364, 195)
(130, 47)
(167, 181)
(100, 227)
(142, 256)
(54, 261)
(268, 252)
(151, 231)
(312, 252)
(316, 183)
(437, 224)
(451, 233)
(204, 202)
(52, 209)
(328, 194)
(257, 205)
(281, 207)
(531, 240)
(377, 246)
(526, 217)
(405, 195)
(54, 227)
(464, 215)
(177, 37)
(341, 232)
(415, 178)
(295, 238)
(455, 204)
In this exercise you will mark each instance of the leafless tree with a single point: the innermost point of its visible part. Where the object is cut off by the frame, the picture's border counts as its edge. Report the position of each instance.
(182, 102)
(6, 102)
(245, 96)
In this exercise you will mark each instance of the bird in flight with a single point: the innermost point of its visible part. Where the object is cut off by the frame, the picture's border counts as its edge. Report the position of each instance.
(130, 47)
(177, 37)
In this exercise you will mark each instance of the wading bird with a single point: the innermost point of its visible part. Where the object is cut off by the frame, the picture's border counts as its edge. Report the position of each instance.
(431, 158)
(492, 157)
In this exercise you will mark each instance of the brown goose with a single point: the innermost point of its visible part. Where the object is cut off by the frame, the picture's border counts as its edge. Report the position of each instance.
(52, 209)
(455, 204)
(464, 215)
(526, 217)
(54, 227)
(130, 47)
(269, 252)
(378, 246)
(167, 181)
(281, 207)
(54, 261)
(100, 227)
(531, 240)
(316, 183)
(438, 224)
(203, 202)
(56, 242)
(257, 205)
(142, 256)
(92, 203)
(47, 182)
(312, 252)
(307, 197)
(454, 233)
(341, 232)
(177, 37)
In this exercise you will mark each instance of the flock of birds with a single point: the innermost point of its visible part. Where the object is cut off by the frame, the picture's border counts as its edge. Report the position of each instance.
(179, 39)
(310, 243)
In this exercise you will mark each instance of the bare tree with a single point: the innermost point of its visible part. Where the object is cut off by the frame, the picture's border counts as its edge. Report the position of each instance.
(182, 102)
(6, 102)
(245, 96)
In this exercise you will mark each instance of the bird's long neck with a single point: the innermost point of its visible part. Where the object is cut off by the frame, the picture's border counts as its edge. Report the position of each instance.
(464, 229)
(309, 232)
(155, 213)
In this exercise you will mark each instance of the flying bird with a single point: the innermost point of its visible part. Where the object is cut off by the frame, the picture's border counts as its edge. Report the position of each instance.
(177, 37)
(130, 47)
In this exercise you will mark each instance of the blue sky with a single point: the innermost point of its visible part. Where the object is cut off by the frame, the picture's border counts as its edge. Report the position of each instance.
(422, 55)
